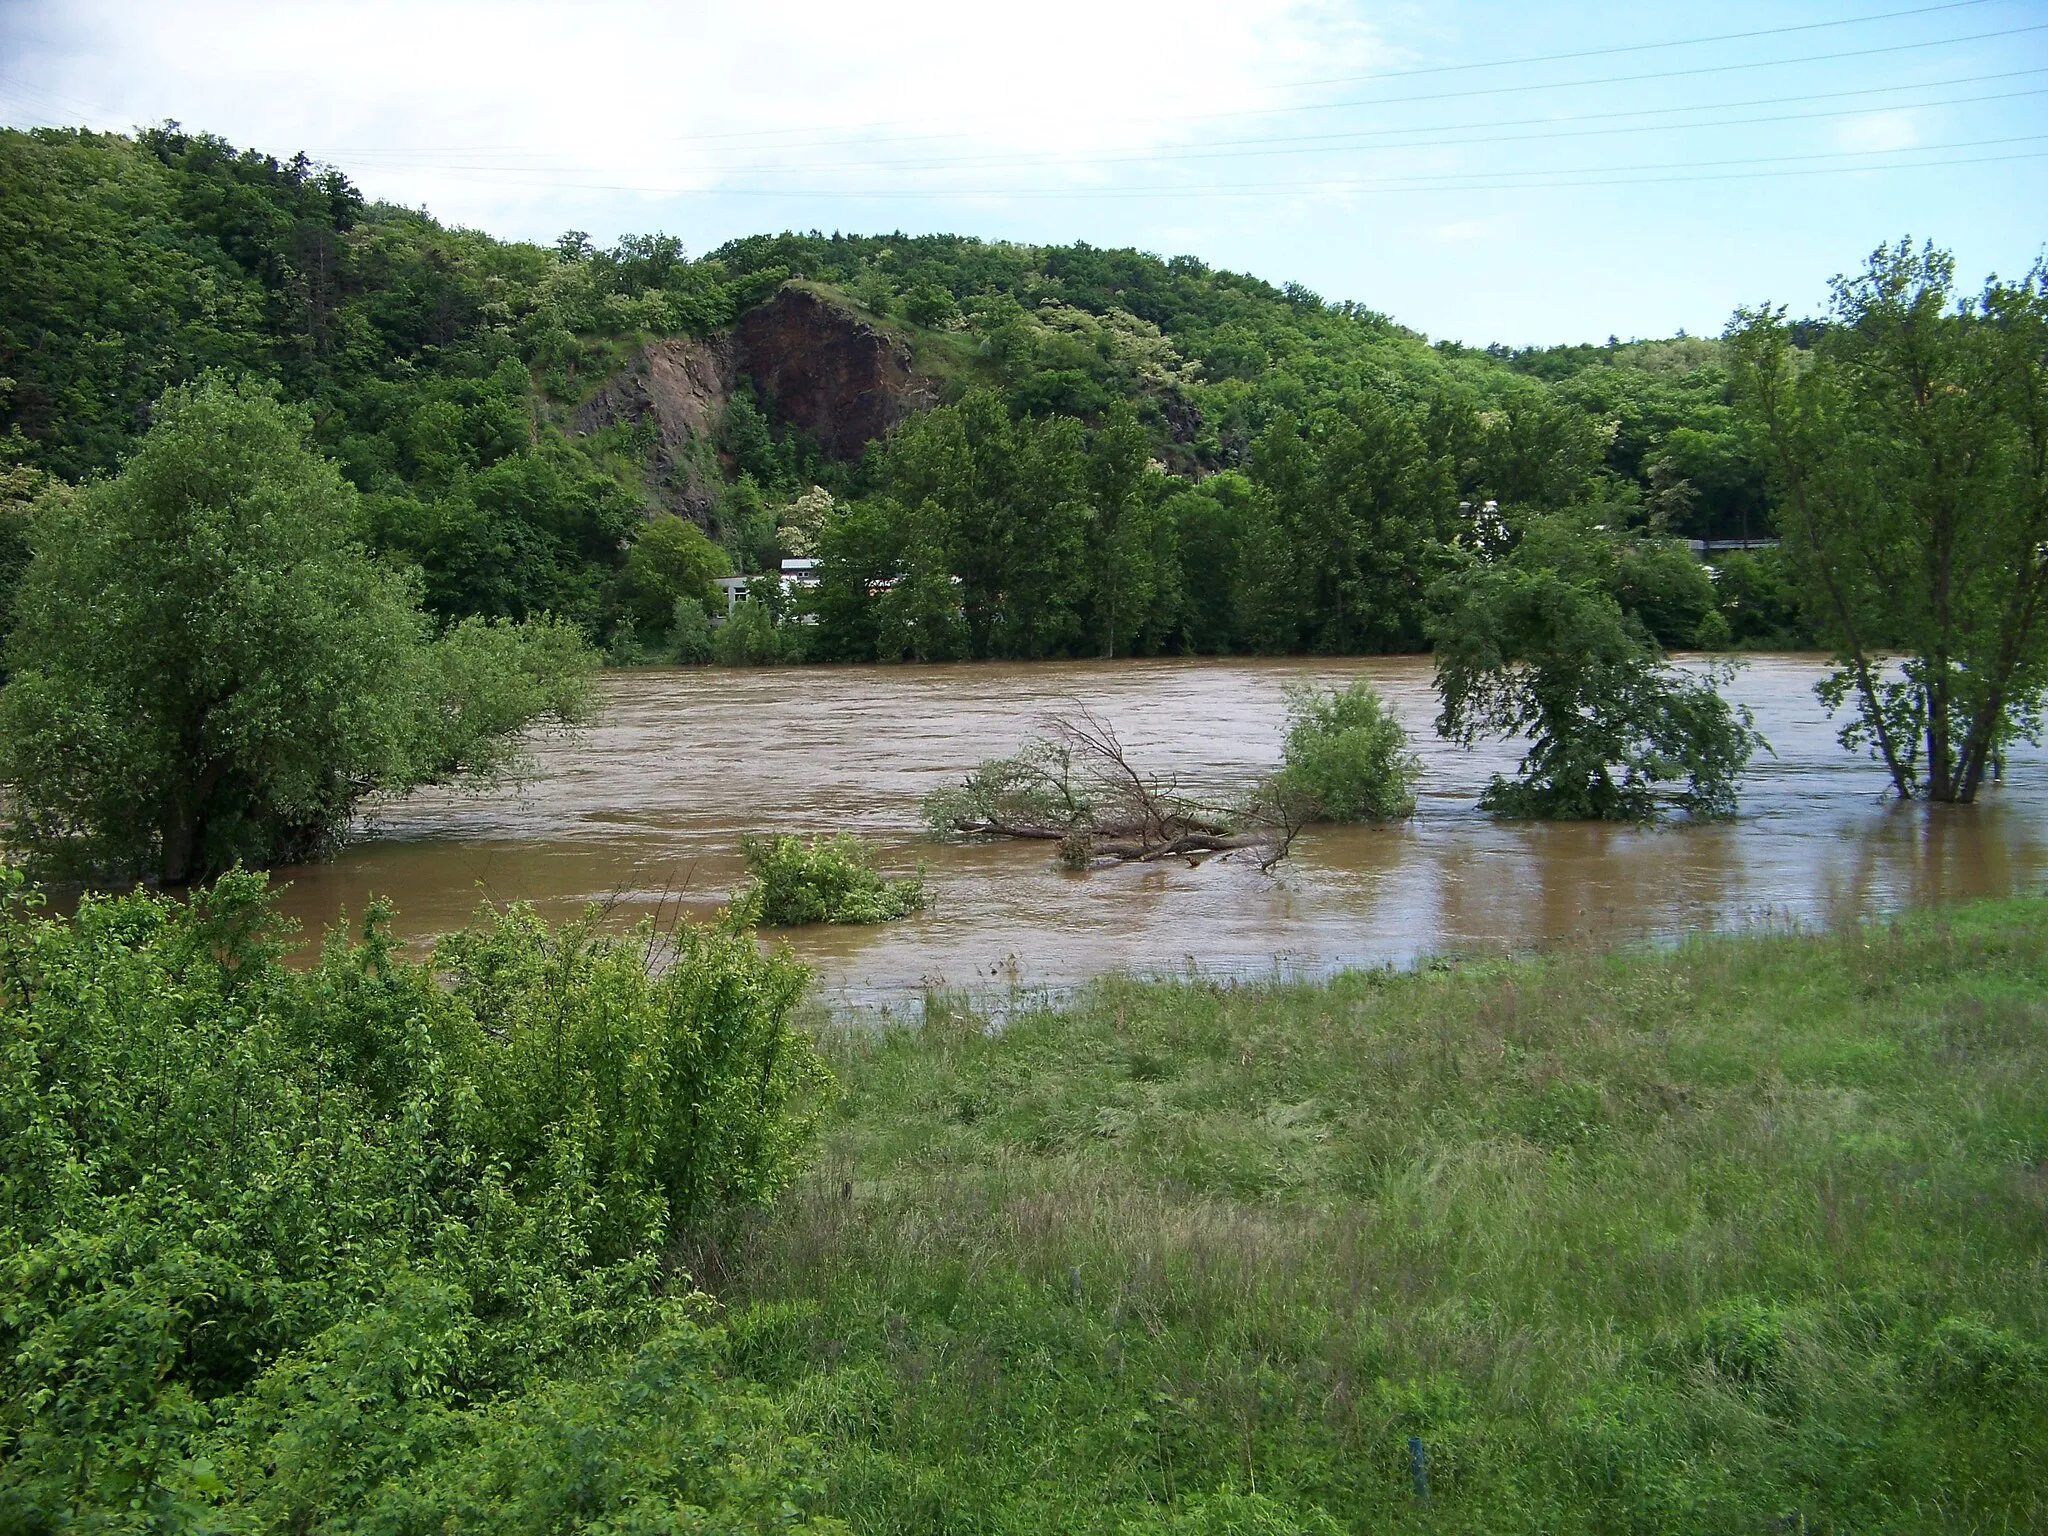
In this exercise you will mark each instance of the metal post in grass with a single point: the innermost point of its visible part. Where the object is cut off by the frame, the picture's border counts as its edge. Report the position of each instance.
(1418, 1467)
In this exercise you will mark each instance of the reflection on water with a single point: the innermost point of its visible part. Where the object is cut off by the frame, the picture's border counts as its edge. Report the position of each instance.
(644, 812)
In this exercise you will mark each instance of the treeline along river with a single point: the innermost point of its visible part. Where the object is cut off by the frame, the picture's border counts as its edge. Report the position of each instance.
(644, 812)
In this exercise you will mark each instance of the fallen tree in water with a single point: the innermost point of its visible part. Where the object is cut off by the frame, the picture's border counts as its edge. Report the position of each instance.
(1077, 787)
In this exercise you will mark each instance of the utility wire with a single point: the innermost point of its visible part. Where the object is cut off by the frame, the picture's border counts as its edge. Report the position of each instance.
(1310, 144)
(1461, 94)
(1624, 175)
(411, 159)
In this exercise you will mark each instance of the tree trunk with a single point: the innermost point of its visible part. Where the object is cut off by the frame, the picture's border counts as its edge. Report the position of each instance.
(185, 824)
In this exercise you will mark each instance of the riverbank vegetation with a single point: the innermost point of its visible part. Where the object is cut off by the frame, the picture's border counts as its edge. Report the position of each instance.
(205, 669)
(1129, 455)
(1745, 1236)
(380, 1243)
(1748, 1235)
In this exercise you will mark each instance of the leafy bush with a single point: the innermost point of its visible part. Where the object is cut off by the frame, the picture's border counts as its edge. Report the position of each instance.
(691, 634)
(755, 637)
(825, 880)
(1346, 757)
(379, 1239)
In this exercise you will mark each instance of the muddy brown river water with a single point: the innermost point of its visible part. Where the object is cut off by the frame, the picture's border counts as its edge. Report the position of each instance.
(644, 810)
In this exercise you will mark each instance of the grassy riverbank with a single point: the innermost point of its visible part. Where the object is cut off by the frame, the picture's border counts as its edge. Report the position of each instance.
(1746, 1237)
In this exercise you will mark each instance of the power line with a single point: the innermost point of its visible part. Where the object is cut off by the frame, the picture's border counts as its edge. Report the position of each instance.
(1660, 74)
(409, 159)
(1449, 182)
(1307, 144)
(1462, 94)
(1593, 53)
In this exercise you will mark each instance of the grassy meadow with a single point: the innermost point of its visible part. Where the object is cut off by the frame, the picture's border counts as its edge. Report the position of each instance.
(1747, 1236)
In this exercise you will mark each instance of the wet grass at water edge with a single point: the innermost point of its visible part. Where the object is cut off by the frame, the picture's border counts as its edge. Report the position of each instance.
(1749, 1236)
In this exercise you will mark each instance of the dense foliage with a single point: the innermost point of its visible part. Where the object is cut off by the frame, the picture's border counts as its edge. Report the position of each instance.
(1911, 446)
(380, 1243)
(206, 669)
(821, 880)
(1345, 757)
(1132, 455)
(1535, 646)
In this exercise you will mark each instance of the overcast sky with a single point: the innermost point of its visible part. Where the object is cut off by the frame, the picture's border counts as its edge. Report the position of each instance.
(1484, 171)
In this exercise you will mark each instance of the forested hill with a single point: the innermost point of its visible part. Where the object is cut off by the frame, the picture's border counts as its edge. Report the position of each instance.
(1083, 451)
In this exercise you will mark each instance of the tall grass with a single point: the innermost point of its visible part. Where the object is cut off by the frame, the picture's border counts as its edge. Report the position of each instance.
(1745, 1237)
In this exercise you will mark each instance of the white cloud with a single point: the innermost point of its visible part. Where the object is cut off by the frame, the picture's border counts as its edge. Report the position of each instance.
(481, 110)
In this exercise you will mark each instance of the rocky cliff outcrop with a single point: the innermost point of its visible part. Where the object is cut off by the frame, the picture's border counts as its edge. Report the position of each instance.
(818, 368)
(680, 386)
(827, 372)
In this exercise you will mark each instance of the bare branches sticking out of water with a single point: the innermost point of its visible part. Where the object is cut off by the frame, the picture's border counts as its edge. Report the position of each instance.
(1076, 786)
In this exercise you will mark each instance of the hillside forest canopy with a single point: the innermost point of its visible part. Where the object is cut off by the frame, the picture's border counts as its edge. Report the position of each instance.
(1129, 455)
(992, 450)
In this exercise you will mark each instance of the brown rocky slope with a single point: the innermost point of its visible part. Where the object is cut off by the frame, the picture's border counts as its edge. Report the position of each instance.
(819, 368)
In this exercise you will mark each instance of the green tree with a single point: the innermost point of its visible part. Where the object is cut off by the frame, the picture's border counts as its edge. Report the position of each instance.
(1359, 506)
(1130, 546)
(918, 615)
(670, 561)
(204, 668)
(1536, 655)
(1209, 523)
(1014, 495)
(1910, 451)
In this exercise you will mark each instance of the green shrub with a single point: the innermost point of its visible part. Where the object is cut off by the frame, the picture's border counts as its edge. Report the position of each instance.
(1346, 757)
(1968, 1357)
(754, 637)
(824, 880)
(691, 633)
(297, 1249)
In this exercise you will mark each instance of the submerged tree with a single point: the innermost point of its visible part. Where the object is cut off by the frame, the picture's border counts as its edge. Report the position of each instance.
(1077, 787)
(1910, 450)
(1537, 655)
(205, 668)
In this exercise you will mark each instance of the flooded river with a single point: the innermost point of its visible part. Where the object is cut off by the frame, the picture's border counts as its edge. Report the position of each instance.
(644, 811)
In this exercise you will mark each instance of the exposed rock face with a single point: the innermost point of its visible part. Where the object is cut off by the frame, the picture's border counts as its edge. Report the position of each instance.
(681, 386)
(827, 372)
(820, 369)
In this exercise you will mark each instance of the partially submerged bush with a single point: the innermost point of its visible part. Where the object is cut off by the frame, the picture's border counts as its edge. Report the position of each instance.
(824, 880)
(1346, 757)
(299, 1250)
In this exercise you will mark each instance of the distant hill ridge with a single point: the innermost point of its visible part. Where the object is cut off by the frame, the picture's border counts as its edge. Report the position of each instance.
(512, 412)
